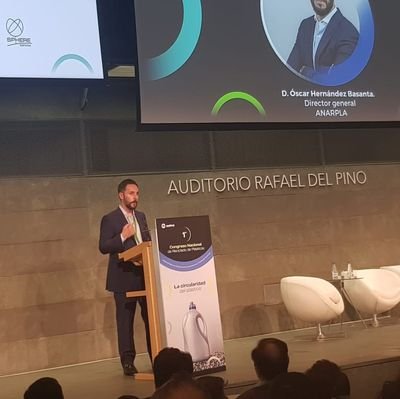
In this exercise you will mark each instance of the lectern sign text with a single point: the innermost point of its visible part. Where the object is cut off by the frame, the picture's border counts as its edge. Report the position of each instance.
(189, 290)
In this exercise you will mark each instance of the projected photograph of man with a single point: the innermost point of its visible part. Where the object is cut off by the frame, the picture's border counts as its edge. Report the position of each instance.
(327, 42)
(324, 40)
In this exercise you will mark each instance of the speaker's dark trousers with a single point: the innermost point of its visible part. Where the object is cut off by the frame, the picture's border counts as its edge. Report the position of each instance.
(125, 313)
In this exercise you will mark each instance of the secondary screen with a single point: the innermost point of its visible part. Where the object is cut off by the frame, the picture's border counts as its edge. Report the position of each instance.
(50, 39)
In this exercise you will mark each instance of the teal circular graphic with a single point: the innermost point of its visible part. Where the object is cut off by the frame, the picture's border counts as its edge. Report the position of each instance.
(278, 29)
(74, 57)
(181, 50)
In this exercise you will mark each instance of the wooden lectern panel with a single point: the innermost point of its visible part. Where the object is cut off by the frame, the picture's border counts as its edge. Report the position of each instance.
(143, 253)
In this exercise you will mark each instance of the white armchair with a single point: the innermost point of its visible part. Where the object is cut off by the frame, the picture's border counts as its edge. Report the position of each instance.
(311, 299)
(375, 291)
(394, 268)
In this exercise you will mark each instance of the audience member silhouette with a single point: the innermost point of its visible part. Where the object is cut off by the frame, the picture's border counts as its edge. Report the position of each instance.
(292, 386)
(170, 361)
(173, 377)
(180, 386)
(328, 380)
(213, 385)
(270, 358)
(44, 388)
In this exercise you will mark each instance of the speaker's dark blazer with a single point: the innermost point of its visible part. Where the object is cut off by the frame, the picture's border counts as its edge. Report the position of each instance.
(337, 44)
(121, 276)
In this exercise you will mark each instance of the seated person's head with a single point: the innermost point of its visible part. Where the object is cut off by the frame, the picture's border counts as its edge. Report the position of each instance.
(270, 358)
(328, 379)
(180, 386)
(213, 385)
(292, 386)
(44, 388)
(170, 361)
(391, 390)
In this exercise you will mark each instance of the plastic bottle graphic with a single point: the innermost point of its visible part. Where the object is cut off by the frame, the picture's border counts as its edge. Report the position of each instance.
(195, 334)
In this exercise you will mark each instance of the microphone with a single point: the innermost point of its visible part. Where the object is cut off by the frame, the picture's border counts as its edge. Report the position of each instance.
(146, 231)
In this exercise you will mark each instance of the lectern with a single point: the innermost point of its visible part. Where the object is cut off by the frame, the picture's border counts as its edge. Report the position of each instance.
(142, 256)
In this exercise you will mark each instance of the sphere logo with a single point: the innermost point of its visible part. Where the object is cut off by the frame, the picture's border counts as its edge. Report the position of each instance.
(15, 27)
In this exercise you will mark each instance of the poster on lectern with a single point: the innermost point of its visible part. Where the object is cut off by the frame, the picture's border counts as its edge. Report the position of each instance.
(189, 290)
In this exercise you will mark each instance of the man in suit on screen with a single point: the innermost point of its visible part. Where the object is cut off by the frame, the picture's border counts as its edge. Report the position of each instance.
(323, 40)
(121, 229)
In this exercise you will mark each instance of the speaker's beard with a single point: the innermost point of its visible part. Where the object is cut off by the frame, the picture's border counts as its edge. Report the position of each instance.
(323, 12)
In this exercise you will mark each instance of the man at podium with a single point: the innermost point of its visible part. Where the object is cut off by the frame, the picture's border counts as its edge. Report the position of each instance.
(121, 229)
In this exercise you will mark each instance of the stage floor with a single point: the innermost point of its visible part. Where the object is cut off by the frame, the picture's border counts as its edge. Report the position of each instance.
(368, 356)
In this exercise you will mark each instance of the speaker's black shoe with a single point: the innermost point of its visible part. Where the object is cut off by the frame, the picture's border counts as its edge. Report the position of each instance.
(129, 369)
